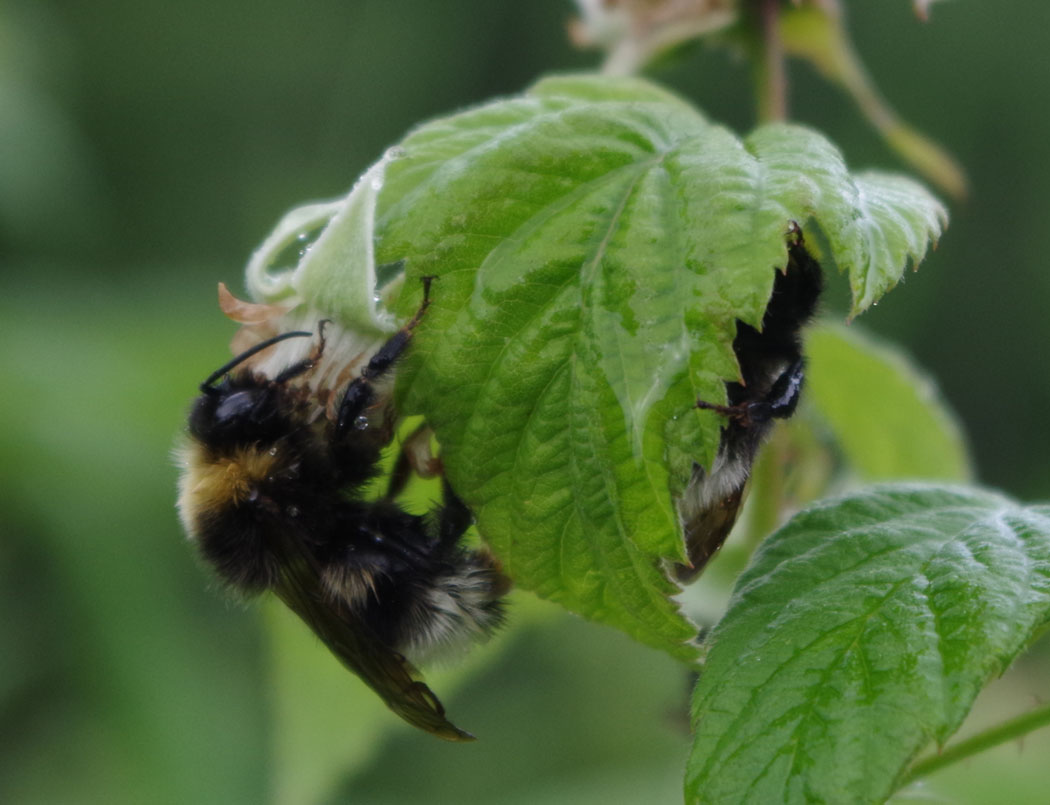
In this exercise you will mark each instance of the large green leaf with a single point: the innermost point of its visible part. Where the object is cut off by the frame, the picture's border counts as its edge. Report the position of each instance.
(594, 243)
(887, 417)
(862, 631)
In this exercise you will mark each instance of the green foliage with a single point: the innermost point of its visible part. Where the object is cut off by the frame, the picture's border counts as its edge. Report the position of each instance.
(595, 242)
(863, 630)
(121, 657)
(886, 416)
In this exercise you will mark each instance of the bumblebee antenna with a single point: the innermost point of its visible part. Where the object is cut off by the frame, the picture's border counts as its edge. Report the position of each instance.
(207, 386)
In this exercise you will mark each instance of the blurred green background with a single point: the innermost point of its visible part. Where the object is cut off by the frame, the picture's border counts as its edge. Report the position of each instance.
(147, 147)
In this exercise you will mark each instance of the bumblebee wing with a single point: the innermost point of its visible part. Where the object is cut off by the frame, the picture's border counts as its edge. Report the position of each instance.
(350, 639)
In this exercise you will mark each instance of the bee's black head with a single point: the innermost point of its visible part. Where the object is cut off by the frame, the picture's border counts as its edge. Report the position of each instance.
(240, 411)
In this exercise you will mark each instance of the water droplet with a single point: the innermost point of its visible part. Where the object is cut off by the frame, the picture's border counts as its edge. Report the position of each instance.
(361, 423)
(273, 450)
(395, 152)
(292, 511)
(303, 236)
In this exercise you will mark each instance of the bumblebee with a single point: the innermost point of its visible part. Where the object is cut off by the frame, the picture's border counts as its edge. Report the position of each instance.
(272, 494)
(771, 371)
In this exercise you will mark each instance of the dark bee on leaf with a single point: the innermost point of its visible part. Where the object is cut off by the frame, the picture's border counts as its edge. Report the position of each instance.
(771, 371)
(272, 494)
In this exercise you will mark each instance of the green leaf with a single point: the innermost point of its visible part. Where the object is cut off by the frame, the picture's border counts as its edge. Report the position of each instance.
(886, 415)
(327, 238)
(862, 631)
(875, 223)
(594, 243)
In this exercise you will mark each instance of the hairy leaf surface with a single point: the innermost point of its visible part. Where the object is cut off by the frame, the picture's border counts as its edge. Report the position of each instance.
(594, 243)
(862, 631)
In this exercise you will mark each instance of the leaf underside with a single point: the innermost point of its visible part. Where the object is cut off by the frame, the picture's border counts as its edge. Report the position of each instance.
(888, 419)
(862, 631)
(594, 243)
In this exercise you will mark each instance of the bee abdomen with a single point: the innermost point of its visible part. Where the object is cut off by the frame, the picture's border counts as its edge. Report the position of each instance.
(460, 604)
(239, 549)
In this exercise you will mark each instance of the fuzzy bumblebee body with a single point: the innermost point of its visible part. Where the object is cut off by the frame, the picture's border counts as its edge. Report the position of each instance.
(271, 494)
(771, 371)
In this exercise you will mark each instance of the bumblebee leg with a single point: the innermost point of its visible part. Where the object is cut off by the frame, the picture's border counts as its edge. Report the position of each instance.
(454, 518)
(360, 394)
(415, 456)
(779, 403)
(399, 475)
(783, 397)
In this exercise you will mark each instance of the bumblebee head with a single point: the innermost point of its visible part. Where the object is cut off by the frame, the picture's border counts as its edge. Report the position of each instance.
(240, 408)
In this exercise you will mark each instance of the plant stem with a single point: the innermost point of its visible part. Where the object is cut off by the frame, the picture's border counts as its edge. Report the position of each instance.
(772, 78)
(1007, 731)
